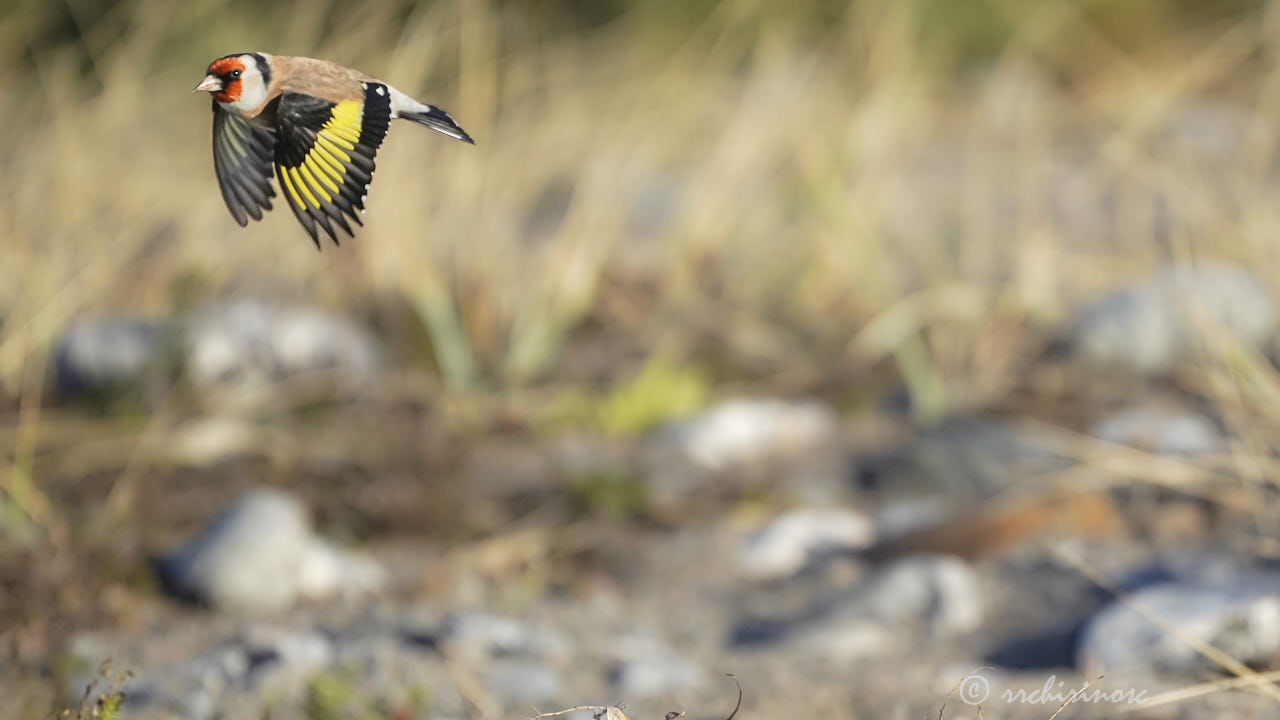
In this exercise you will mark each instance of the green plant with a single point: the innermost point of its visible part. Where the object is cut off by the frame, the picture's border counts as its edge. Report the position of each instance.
(104, 705)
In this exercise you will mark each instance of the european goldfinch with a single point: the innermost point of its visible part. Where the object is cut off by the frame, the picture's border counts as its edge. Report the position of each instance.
(317, 123)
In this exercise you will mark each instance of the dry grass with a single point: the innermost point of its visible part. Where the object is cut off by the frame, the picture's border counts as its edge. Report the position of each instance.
(823, 182)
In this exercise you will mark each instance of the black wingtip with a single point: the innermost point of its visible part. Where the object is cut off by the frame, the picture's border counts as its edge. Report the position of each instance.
(462, 135)
(440, 121)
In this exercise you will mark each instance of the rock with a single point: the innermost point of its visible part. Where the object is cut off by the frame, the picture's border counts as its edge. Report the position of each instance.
(521, 683)
(106, 356)
(480, 636)
(652, 676)
(850, 638)
(259, 555)
(281, 663)
(898, 517)
(1241, 618)
(248, 346)
(397, 666)
(920, 600)
(327, 570)
(792, 541)
(1151, 325)
(965, 457)
(645, 667)
(1158, 430)
(748, 431)
(794, 448)
(939, 594)
(192, 689)
(220, 667)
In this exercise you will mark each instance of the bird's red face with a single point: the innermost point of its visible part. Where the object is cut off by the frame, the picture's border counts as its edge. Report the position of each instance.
(223, 80)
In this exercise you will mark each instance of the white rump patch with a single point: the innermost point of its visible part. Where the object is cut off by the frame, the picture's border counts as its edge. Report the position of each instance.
(401, 103)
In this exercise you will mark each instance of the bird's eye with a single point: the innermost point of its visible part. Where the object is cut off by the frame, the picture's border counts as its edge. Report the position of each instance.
(235, 74)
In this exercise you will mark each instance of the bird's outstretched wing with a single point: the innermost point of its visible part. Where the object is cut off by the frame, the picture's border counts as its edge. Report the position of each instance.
(242, 154)
(324, 155)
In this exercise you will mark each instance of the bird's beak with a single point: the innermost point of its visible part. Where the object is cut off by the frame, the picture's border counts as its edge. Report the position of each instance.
(210, 83)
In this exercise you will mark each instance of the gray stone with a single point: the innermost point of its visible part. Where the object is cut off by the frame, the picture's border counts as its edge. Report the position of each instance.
(898, 517)
(521, 683)
(259, 555)
(106, 355)
(795, 446)
(938, 594)
(282, 662)
(1160, 430)
(1152, 324)
(646, 667)
(248, 346)
(969, 457)
(920, 600)
(651, 676)
(790, 542)
(747, 431)
(396, 669)
(847, 638)
(192, 689)
(1240, 618)
(479, 636)
(328, 570)
(223, 668)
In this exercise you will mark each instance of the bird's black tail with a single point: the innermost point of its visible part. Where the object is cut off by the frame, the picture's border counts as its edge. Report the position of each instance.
(438, 120)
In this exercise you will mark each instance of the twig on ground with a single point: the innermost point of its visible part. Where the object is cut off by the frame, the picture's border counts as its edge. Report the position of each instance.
(737, 707)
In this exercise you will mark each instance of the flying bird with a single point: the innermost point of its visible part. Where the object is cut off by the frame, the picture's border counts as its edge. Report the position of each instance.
(314, 124)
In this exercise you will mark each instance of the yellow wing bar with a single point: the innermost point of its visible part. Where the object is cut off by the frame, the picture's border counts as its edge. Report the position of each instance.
(325, 155)
(326, 163)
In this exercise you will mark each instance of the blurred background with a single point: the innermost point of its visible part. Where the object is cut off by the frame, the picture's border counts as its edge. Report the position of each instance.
(847, 347)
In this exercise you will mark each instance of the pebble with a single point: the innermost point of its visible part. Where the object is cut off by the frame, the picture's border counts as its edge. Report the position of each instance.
(1240, 618)
(646, 667)
(920, 600)
(748, 430)
(518, 683)
(1160, 430)
(939, 594)
(106, 355)
(1152, 324)
(479, 636)
(793, 541)
(245, 347)
(259, 555)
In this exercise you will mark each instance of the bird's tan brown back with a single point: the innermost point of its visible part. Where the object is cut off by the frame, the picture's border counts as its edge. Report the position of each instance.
(318, 78)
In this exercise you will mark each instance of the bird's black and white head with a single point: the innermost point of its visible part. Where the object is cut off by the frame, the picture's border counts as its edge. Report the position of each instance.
(238, 82)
